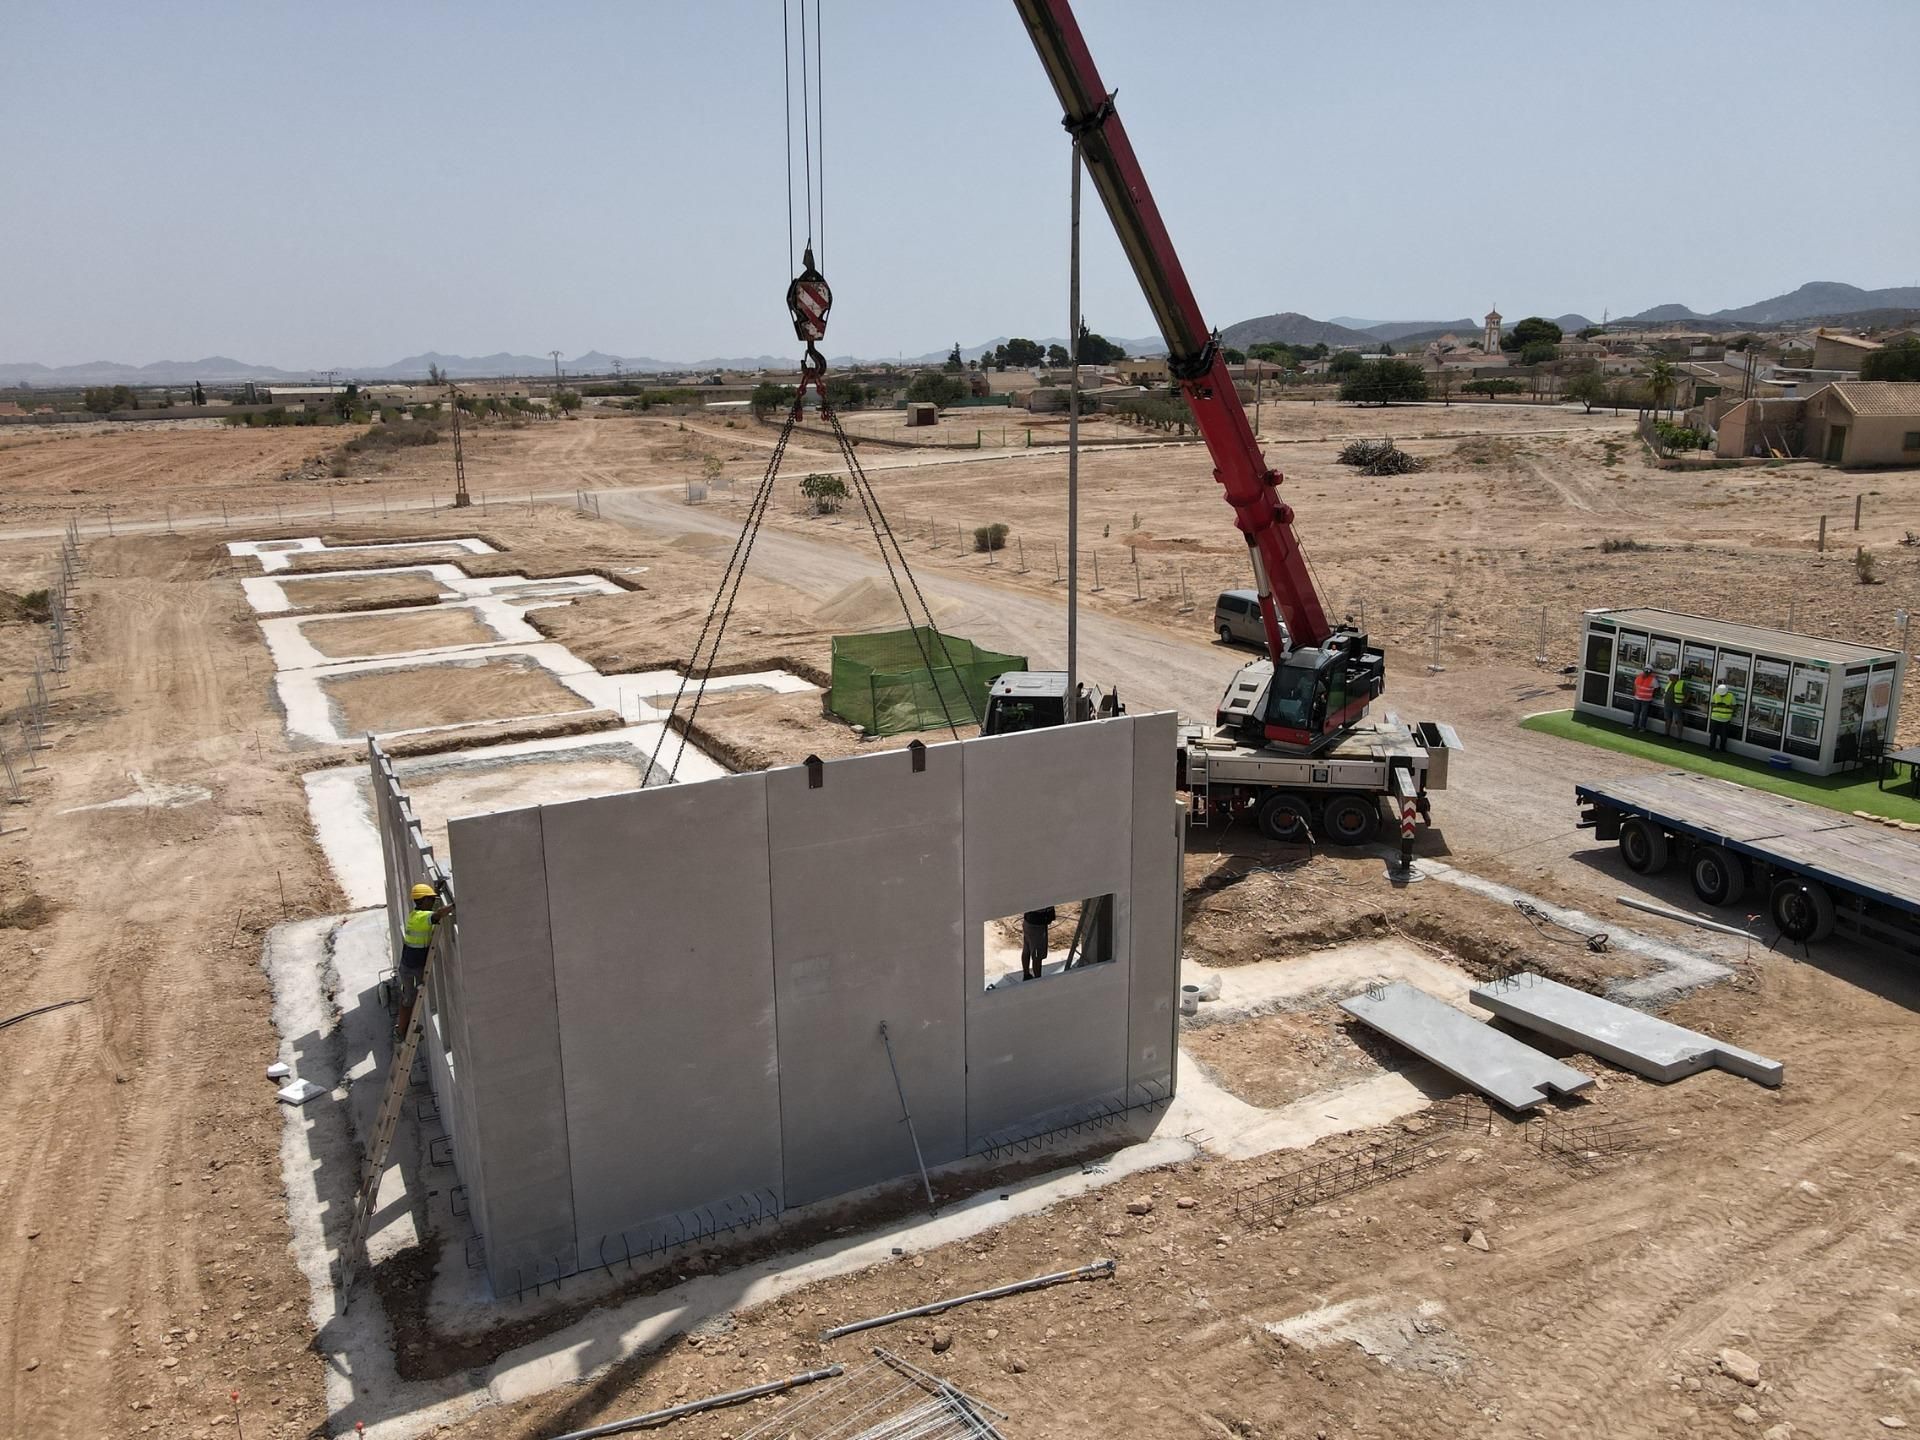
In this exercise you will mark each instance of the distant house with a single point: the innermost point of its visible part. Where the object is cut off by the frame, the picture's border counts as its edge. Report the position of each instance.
(1833, 351)
(1846, 422)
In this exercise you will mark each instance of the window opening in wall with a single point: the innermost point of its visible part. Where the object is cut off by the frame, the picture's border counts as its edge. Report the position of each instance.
(1047, 942)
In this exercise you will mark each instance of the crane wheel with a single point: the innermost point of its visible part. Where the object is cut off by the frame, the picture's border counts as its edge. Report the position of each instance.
(1717, 876)
(1286, 816)
(1643, 846)
(1801, 909)
(1350, 819)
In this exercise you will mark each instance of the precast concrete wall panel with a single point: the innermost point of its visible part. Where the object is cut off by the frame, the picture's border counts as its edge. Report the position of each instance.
(1049, 815)
(663, 961)
(1156, 893)
(867, 927)
(504, 1034)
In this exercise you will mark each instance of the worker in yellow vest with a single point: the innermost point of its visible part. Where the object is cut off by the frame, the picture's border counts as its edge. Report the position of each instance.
(416, 940)
(1722, 706)
(1676, 699)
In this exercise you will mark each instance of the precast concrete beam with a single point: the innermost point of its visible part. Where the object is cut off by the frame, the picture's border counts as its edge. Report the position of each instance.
(1644, 1044)
(1496, 1065)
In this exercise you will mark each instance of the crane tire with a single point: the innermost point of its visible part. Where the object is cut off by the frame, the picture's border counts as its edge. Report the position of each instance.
(1350, 819)
(1717, 875)
(1643, 846)
(1286, 816)
(1801, 909)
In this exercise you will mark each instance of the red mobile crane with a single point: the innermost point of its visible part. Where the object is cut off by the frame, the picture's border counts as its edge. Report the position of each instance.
(1289, 744)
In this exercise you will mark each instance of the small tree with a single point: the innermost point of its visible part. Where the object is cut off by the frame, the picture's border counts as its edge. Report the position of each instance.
(824, 492)
(1898, 361)
(1588, 388)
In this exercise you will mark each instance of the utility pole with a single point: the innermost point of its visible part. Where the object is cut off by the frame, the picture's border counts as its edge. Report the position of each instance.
(1073, 447)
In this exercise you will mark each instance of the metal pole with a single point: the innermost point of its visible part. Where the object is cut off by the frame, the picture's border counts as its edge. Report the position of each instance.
(906, 1117)
(694, 1407)
(1099, 1269)
(1073, 446)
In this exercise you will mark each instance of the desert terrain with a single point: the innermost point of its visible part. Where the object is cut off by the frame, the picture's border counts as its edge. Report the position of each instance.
(144, 1231)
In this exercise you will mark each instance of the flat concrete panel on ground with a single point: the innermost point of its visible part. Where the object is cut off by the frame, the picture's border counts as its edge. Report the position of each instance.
(867, 927)
(1642, 1043)
(1156, 897)
(663, 962)
(1496, 1065)
(504, 1035)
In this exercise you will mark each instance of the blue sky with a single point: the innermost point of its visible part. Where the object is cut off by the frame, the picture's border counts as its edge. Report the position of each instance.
(303, 185)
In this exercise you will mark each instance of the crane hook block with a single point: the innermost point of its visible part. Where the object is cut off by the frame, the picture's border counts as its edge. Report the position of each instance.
(808, 300)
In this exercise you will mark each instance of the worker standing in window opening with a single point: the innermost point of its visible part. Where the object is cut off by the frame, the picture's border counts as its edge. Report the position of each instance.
(1643, 688)
(1676, 702)
(1033, 942)
(1721, 706)
(416, 940)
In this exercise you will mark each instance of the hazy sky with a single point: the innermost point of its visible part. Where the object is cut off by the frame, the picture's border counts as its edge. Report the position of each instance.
(343, 184)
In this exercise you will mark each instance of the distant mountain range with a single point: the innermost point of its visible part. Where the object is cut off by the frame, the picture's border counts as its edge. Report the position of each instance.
(1818, 301)
(224, 370)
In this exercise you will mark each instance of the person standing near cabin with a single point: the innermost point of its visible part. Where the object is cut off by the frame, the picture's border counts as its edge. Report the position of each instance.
(1721, 706)
(1643, 688)
(1676, 705)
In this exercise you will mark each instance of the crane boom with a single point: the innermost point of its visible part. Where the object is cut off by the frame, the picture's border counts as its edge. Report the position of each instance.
(1193, 355)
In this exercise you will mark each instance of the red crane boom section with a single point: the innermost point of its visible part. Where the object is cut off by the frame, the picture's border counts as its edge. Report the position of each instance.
(1194, 358)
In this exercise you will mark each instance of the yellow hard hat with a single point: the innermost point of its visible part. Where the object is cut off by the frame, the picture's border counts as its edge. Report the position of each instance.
(423, 892)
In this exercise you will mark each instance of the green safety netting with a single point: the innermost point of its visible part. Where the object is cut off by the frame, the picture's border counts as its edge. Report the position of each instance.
(881, 682)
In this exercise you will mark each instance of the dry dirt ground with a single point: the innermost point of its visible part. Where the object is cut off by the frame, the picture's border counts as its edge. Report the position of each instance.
(143, 1257)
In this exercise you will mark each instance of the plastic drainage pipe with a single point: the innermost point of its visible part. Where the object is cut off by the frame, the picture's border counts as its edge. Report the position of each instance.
(1095, 1271)
(694, 1407)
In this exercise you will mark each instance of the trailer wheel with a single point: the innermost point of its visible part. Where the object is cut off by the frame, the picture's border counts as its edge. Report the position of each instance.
(1286, 816)
(1801, 909)
(1643, 846)
(1717, 876)
(1350, 819)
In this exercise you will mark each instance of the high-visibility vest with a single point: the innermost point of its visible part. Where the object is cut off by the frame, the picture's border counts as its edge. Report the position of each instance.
(1723, 704)
(418, 931)
(1643, 687)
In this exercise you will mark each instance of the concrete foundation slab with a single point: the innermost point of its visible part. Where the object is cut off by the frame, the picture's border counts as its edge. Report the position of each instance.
(1496, 1065)
(1644, 1044)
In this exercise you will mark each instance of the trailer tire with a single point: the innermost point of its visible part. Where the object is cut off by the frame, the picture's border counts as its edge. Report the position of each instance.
(1286, 816)
(1350, 819)
(1801, 909)
(1717, 875)
(1643, 846)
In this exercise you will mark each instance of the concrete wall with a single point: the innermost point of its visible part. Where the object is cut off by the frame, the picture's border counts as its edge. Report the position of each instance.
(666, 1005)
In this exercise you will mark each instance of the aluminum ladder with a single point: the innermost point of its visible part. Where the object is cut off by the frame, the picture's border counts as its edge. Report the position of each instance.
(373, 1165)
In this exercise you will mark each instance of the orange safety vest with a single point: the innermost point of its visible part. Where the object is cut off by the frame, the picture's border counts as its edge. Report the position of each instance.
(1643, 687)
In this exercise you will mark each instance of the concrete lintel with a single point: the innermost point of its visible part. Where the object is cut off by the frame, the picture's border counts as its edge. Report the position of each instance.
(1644, 1044)
(1516, 1075)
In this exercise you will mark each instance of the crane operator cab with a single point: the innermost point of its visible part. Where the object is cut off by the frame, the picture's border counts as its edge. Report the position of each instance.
(1311, 698)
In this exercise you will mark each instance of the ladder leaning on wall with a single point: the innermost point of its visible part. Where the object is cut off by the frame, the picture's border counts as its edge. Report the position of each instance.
(379, 1143)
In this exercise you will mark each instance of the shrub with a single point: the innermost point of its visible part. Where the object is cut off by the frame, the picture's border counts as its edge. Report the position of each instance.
(990, 537)
(825, 491)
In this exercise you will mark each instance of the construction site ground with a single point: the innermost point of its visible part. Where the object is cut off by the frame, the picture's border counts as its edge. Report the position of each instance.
(143, 1226)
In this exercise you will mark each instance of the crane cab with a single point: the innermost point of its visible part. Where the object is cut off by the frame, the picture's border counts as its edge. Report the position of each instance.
(1314, 695)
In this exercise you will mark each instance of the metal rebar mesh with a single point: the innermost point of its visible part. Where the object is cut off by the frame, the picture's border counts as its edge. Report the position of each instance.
(887, 1399)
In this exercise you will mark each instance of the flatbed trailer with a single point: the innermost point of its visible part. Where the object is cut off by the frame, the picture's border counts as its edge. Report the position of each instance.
(1812, 871)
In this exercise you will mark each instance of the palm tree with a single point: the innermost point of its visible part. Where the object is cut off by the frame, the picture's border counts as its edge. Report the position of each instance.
(1660, 381)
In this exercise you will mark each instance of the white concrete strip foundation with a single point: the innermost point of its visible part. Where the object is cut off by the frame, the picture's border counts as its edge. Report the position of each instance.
(1497, 1065)
(278, 554)
(1644, 1044)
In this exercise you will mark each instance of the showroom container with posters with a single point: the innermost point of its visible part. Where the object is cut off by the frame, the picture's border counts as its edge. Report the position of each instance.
(1821, 704)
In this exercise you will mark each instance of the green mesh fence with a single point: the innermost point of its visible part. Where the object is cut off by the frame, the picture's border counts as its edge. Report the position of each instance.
(881, 682)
